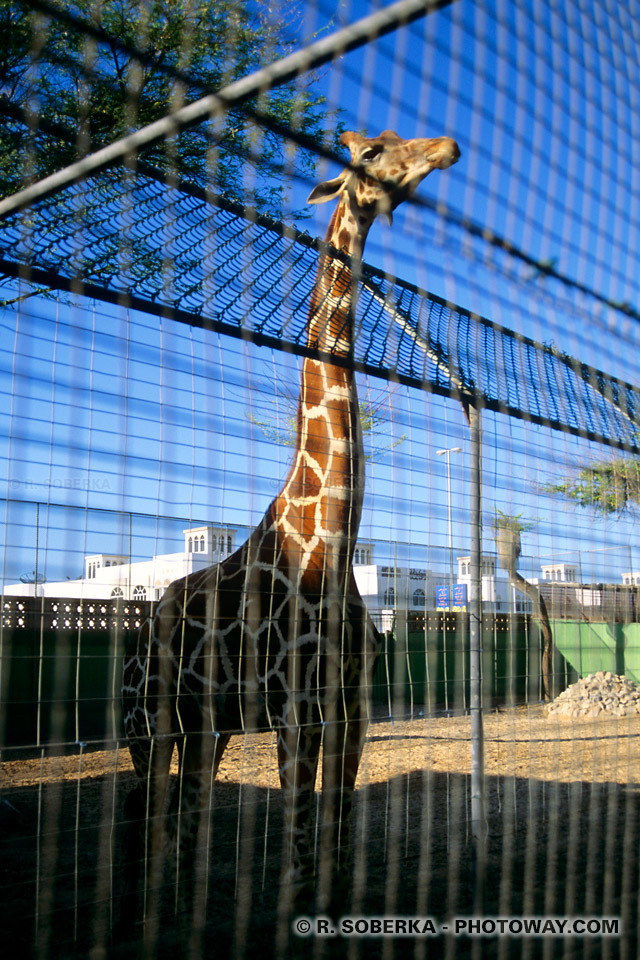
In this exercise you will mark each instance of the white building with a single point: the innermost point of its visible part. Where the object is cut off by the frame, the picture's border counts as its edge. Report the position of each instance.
(110, 576)
(113, 577)
(559, 572)
(388, 590)
(498, 593)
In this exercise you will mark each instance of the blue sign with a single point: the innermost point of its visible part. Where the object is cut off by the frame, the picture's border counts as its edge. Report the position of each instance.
(442, 597)
(460, 595)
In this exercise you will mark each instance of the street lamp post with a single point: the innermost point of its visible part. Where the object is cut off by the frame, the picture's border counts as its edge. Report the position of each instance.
(447, 453)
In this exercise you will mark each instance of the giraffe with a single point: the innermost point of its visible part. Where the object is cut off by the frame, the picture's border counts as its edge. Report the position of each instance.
(276, 636)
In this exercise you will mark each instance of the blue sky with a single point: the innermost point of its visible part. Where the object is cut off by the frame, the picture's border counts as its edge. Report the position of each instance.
(105, 411)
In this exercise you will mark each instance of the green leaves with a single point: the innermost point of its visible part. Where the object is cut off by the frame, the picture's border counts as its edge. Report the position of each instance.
(282, 427)
(509, 521)
(608, 486)
(97, 91)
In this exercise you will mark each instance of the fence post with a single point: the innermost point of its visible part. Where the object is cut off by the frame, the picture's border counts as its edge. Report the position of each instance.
(478, 810)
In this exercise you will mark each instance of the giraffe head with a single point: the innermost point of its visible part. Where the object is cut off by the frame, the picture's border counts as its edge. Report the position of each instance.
(387, 171)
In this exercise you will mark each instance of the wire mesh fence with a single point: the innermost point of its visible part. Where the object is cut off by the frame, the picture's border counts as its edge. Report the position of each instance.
(274, 505)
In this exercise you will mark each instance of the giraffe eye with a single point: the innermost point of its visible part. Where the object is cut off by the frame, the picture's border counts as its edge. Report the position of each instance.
(370, 154)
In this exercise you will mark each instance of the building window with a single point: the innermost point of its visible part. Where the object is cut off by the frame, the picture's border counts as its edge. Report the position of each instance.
(418, 598)
(139, 592)
(117, 594)
(202, 543)
(190, 545)
(390, 597)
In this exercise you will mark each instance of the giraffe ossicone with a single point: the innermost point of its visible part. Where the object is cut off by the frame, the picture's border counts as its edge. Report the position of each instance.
(276, 635)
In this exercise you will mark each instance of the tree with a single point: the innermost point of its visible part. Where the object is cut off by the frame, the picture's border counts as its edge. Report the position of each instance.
(507, 533)
(609, 487)
(282, 426)
(64, 93)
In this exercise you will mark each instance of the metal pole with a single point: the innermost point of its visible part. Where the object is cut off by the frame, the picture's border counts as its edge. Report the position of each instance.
(35, 577)
(478, 808)
(450, 528)
(447, 453)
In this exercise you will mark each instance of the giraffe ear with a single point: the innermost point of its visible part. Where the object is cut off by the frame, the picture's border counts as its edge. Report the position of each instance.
(351, 139)
(328, 190)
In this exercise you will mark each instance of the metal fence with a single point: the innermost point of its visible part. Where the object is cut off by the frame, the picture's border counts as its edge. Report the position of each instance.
(155, 324)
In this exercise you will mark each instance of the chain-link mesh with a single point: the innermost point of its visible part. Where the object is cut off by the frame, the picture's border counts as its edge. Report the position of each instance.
(168, 250)
(153, 326)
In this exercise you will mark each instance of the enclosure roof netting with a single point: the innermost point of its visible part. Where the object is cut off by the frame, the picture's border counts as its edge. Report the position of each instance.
(177, 251)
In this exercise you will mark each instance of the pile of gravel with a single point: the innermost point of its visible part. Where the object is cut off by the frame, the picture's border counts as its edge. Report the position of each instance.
(599, 693)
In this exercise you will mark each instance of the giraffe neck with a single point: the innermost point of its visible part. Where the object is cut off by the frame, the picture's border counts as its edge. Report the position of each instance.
(318, 510)
(330, 324)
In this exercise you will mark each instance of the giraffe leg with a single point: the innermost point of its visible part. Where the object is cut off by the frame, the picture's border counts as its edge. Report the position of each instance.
(298, 752)
(342, 749)
(149, 720)
(190, 816)
(143, 815)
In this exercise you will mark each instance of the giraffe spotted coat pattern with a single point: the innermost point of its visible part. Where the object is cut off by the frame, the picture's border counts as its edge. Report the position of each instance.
(276, 636)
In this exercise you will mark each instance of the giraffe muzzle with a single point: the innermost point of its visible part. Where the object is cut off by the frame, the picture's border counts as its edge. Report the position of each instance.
(446, 153)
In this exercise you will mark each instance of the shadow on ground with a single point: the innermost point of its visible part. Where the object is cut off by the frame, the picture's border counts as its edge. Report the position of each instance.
(553, 849)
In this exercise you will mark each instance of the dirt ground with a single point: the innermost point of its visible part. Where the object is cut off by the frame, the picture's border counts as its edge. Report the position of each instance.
(563, 816)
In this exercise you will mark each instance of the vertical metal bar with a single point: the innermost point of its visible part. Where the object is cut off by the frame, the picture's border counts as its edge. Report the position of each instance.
(478, 807)
(448, 453)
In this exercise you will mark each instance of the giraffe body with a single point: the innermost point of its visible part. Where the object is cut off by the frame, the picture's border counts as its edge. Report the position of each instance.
(276, 636)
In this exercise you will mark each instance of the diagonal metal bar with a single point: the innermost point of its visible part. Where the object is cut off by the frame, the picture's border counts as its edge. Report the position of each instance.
(404, 322)
(248, 276)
